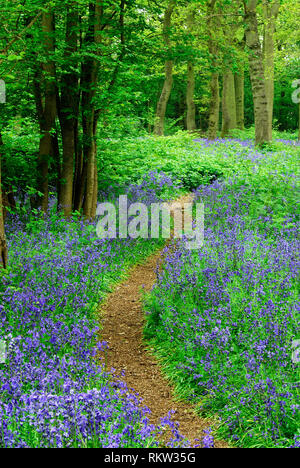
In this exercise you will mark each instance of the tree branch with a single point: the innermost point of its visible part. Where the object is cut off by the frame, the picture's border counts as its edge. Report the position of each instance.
(16, 38)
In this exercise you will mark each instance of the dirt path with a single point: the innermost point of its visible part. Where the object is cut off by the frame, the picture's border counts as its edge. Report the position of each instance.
(122, 322)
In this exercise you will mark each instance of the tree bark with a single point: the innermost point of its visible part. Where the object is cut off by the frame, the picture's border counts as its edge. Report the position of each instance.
(66, 181)
(258, 84)
(270, 13)
(78, 192)
(80, 187)
(3, 244)
(68, 113)
(90, 178)
(56, 163)
(95, 194)
(47, 111)
(168, 83)
(191, 108)
(190, 90)
(239, 84)
(90, 72)
(214, 105)
(228, 103)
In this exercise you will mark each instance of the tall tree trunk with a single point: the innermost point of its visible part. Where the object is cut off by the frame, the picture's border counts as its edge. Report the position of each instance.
(190, 103)
(90, 178)
(214, 105)
(78, 192)
(258, 84)
(239, 84)
(168, 83)
(95, 194)
(88, 185)
(228, 103)
(3, 244)
(190, 90)
(90, 70)
(66, 181)
(56, 163)
(270, 13)
(80, 187)
(68, 112)
(47, 111)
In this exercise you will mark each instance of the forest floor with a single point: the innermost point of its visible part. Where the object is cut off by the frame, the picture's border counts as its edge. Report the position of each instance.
(122, 324)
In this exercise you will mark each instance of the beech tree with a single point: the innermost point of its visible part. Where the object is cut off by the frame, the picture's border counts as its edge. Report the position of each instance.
(212, 25)
(69, 93)
(239, 86)
(228, 103)
(190, 89)
(46, 106)
(263, 132)
(270, 14)
(68, 108)
(167, 87)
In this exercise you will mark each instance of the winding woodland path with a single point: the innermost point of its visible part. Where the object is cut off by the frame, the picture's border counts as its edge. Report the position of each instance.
(122, 322)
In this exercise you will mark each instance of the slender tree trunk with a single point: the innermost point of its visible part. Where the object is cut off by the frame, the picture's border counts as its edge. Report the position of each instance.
(228, 103)
(90, 116)
(90, 179)
(95, 194)
(190, 90)
(214, 105)
(80, 188)
(66, 181)
(239, 84)
(55, 153)
(3, 244)
(46, 111)
(90, 72)
(78, 179)
(168, 83)
(68, 114)
(191, 108)
(270, 13)
(229, 117)
(261, 111)
(78, 165)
